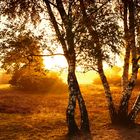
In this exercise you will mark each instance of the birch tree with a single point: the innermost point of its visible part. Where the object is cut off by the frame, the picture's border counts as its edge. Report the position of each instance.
(131, 11)
(96, 54)
(63, 18)
(105, 36)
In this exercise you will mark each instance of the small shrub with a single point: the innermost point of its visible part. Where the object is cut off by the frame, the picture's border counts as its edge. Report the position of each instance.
(49, 82)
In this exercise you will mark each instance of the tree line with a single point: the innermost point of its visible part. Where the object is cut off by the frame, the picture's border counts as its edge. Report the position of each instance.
(90, 32)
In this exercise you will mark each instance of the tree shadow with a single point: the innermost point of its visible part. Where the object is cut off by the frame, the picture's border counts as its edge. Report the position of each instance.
(128, 132)
(79, 136)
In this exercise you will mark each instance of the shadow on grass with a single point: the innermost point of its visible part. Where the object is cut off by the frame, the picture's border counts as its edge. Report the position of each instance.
(79, 136)
(129, 132)
(31, 128)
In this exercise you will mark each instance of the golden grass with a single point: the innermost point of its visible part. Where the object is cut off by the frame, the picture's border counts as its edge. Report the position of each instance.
(41, 116)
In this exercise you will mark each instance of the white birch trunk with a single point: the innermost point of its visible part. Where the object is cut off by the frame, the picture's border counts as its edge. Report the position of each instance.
(111, 107)
(135, 110)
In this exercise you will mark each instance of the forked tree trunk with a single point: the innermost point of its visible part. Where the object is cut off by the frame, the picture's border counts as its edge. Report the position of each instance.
(75, 93)
(72, 126)
(111, 107)
(69, 53)
(123, 108)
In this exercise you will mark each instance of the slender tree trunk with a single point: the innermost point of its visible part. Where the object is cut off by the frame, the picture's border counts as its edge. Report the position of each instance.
(112, 111)
(95, 38)
(123, 109)
(127, 45)
(126, 67)
(85, 128)
(75, 93)
(70, 113)
(135, 110)
(69, 52)
(72, 126)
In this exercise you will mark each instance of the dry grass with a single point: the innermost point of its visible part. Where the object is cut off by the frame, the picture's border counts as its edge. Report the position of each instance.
(41, 116)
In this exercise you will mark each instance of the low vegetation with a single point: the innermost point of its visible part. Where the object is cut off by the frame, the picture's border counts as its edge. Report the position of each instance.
(41, 116)
(47, 82)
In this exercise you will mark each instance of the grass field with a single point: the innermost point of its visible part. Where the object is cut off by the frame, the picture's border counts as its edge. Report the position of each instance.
(41, 116)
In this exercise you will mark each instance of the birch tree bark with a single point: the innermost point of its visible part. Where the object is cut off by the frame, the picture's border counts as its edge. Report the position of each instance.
(123, 109)
(127, 46)
(95, 39)
(119, 116)
(69, 52)
(75, 93)
(111, 107)
(135, 110)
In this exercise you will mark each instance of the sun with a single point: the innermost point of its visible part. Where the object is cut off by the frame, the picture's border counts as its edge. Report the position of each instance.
(58, 63)
(55, 62)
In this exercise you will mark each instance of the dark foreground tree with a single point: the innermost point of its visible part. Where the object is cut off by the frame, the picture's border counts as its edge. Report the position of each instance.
(130, 16)
(98, 52)
(67, 38)
(63, 18)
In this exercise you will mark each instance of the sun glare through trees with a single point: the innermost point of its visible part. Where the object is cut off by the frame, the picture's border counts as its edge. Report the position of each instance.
(69, 69)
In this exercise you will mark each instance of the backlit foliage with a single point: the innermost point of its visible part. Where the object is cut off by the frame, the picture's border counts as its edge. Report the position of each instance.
(105, 25)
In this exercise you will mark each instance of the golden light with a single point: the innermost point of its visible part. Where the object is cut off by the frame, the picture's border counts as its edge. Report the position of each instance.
(55, 62)
(59, 64)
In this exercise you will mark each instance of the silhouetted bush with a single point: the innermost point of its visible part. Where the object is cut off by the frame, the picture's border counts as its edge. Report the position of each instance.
(36, 81)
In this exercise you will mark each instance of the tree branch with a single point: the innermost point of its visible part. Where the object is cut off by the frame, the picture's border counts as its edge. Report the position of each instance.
(62, 12)
(100, 7)
(138, 58)
(46, 55)
(69, 9)
(135, 109)
(52, 4)
(55, 25)
(91, 67)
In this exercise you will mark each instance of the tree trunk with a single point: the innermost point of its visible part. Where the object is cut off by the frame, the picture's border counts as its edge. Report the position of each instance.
(126, 67)
(111, 107)
(75, 93)
(127, 46)
(135, 110)
(85, 128)
(123, 109)
(72, 126)
(69, 53)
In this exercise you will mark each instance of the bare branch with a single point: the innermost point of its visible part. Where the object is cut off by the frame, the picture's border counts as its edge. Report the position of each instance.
(47, 55)
(55, 24)
(62, 12)
(138, 58)
(135, 109)
(100, 7)
(52, 4)
(69, 9)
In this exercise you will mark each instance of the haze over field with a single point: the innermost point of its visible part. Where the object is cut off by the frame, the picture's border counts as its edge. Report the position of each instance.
(69, 69)
(91, 77)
